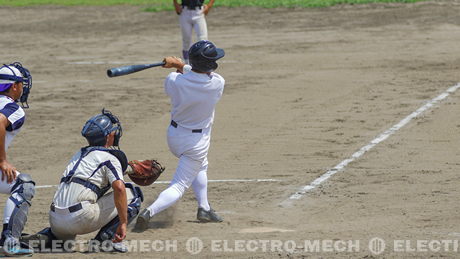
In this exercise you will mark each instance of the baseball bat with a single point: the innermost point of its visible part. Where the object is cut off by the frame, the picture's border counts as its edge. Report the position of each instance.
(126, 70)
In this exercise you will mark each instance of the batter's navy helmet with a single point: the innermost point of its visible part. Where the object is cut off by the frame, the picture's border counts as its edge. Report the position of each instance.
(15, 72)
(203, 56)
(101, 125)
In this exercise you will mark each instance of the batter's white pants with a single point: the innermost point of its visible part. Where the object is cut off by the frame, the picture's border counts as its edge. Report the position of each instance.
(192, 151)
(5, 188)
(191, 19)
(92, 217)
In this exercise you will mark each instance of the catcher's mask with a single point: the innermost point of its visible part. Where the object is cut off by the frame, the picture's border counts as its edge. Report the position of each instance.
(98, 127)
(12, 73)
(203, 56)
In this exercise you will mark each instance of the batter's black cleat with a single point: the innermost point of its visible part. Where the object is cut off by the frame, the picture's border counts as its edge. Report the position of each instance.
(207, 216)
(143, 220)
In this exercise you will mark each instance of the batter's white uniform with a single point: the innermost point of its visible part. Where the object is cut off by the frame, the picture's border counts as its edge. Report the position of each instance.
(16, 116)
(99, 168)
(193, 100)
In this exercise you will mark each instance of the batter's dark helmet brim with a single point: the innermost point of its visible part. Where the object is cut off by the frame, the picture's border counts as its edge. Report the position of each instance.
(220, 54)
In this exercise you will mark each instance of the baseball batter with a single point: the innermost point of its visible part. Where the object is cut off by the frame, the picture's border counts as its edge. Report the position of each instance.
(82, 203)
(15, 84)
(192, 17)
(194, 93)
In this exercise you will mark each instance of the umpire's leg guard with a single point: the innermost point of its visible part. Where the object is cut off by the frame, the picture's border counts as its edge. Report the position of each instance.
(21, 194)
(108, 231)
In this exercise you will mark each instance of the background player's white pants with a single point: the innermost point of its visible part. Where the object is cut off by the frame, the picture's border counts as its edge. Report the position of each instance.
(93, 216)
(5, 188)
(192, 150)
(192, 19)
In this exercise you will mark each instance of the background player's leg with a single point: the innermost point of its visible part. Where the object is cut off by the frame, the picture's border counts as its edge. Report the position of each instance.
(186, 29)
(201, 27)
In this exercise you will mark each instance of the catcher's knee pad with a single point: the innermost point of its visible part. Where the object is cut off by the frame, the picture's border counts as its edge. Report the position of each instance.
(22, 193)
(134, 206)
(137, 192)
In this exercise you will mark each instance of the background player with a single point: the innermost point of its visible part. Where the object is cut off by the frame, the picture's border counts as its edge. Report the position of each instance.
(81, 204)
(192, 16)
(15, 84)
(194, 95)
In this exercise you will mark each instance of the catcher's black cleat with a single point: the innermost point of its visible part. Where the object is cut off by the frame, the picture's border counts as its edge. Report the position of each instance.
(207, 216)
(43, 241)
(143, 219)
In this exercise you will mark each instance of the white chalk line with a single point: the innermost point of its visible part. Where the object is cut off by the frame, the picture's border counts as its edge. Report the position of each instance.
(339, 167)
(210, 181)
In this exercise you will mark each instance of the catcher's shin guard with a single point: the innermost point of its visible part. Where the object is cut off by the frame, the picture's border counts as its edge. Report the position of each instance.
(21, 194)
(108, 231)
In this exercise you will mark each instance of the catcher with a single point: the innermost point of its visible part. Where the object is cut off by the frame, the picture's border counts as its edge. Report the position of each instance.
(82, 203)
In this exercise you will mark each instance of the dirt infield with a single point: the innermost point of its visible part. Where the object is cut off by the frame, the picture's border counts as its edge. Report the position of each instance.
(305, 90)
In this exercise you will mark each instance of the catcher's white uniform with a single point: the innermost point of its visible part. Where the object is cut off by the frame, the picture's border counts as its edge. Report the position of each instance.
(193, 100)
(80, 204)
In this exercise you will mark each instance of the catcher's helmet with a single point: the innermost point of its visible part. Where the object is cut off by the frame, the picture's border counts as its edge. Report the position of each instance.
(12, 73)
(101, 125)
(203, 56)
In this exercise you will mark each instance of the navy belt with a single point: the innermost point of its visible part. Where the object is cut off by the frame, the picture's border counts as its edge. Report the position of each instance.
(174, 124)
(71, 209)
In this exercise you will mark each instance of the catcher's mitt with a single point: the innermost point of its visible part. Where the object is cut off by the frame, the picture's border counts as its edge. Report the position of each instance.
(145, 172)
